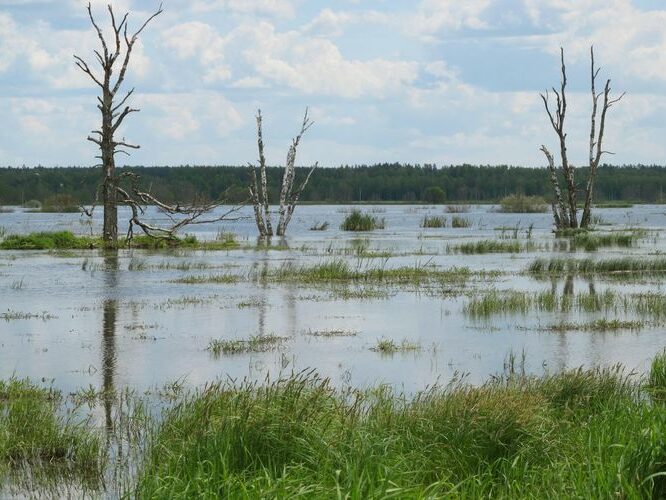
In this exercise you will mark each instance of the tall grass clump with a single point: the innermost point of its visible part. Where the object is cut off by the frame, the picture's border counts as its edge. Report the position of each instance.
(515, 302)
(657, 377)
(490, 246)
(578, 434)
(359, 221)
(521, 204)
(460, 222)
(34, 432)
(433, 221)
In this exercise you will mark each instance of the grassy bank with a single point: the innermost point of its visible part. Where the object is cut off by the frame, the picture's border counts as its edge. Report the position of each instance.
(65, 240)
(576, 434)
(580, 434)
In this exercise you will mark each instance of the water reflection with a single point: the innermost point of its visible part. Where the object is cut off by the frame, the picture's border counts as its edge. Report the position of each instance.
(568, 289)
(109, 322)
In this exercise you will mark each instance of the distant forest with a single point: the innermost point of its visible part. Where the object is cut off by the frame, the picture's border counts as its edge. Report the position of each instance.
(375, 183)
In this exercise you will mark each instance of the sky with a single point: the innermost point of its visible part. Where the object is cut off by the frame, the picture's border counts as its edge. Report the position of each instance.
(412, 81)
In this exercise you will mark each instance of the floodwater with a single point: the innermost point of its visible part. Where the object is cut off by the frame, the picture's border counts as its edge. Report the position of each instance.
(82, 318)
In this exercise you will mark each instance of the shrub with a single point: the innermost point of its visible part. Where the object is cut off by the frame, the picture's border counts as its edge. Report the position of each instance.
(434, 194)
(60, 203)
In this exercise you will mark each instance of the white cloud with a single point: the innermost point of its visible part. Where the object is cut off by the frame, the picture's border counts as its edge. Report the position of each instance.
(201, 41)
(316, 66)
(275, 8)
(180, 116)
(433, 16)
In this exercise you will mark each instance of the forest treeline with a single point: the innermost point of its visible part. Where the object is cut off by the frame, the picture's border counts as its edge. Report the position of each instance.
(375, 183)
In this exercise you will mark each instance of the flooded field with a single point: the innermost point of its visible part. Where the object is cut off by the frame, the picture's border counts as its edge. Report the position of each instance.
(142, 319)
(116, 339)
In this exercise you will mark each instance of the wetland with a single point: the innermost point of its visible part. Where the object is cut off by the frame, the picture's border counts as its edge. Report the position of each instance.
(126, 356)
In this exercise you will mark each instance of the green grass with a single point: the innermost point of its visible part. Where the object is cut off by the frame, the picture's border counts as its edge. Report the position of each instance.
(65, 240)
(656, 383)
(591, 240)
(491, 246)
(34, 433)
(578, 434)
(60, 240)
(259, 343)
(359, 221)
(460, 222)
(389, 346)
(515, 302)
(433, 221)
(629, 265)
(209, 278)
(520, 204)
(644, 305)
(614, 204)
(599, 325)
(341, 271)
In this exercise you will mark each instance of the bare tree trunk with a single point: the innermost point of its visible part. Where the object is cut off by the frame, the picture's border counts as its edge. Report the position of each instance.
(256, 204)
(288, 197)
(559, 208)
(596, 141)
(264, 181)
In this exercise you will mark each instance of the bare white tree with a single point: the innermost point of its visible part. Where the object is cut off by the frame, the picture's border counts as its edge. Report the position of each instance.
(288, 195)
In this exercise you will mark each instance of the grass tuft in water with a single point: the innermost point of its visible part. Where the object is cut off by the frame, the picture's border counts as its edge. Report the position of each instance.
(208, 278)
(626, 265)
(491, 246)
(389, 346)
(359, 221)
(259, 343)
(460, 222)
(340, 270)
(319, 226)
(516, 302)
(433, 221)
(600, 325)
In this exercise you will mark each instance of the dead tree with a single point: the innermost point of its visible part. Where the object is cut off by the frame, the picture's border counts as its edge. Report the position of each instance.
(288, 196)
(565, 211)
(125, 189)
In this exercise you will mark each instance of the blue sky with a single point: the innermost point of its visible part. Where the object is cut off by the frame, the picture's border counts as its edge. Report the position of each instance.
(437, 81)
